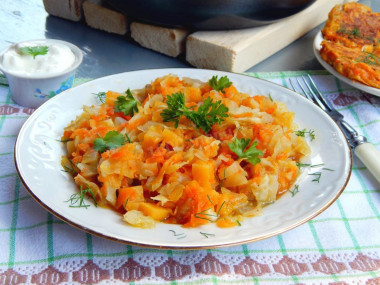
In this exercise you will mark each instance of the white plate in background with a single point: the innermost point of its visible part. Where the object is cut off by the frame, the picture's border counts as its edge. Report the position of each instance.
(317, 47)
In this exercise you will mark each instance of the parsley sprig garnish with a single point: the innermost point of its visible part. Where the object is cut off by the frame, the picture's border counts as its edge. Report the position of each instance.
(238, 146)
(127, 104)
(111, 140)
(219, 84)
(34, 51)
(207, 114)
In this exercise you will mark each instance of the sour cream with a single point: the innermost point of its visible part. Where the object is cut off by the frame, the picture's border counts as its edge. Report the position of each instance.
(58, 59)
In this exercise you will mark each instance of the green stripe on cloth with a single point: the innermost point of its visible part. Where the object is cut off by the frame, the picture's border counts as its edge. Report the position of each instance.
(12, 234)
(90, 251)
(42, 224)
(50, 249)
(284, 252)
(15, 200)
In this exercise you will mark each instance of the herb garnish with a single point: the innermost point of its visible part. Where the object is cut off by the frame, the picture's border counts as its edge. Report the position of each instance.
(178, 236)
(127, 104)
(207, 235)
(369, 58)
(101, 96)
(126, 202)
(79, 198)
(205, 216)
(129, 140)
(73, 169)
(354, 32)
(34, 51)
(111, 140)
(301, 133)
(300, 165)
(252, 154)
(317, 176)
(295, 190)
(64, 140)
(219, 84)
(207, 114)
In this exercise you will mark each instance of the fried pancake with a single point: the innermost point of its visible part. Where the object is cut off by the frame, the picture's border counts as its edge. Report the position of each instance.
(352, 43)
(353, 63)
(352, 25)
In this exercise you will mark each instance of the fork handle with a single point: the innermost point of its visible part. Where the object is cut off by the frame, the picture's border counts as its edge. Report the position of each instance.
(370, 157)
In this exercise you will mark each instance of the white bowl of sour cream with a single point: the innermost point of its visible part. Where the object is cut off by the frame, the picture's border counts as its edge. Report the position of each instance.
(37, 70)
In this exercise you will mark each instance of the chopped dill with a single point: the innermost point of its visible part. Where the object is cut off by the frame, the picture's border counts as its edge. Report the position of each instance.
(101, 96)
(128, 139)
(207, 235)
(317, 176)
(302, 133)
(126, 202)
(64, 140)
(220, 208)
(295, 190)
(73, 169)
(369, 58)
(178, 236)
(77, 199)
(300, 165)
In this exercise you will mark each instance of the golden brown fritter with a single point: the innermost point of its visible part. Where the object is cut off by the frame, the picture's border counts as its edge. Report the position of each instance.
(353, 63)
(352, 42)
(352, 24)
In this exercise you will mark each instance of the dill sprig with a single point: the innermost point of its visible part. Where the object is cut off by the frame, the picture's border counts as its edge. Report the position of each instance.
(178, 236)
(206, 216)
(302, 133)
(207, 235)
(300, 165)
(77, 199)
(317, 176)
(101, 96)
(295, 190)
(73, 169)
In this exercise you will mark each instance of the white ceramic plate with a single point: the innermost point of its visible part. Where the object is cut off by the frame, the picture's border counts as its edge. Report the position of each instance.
(317, 46)
(38, 153)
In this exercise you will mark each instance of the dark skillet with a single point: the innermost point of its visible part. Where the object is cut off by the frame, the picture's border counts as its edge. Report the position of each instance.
(209, 14)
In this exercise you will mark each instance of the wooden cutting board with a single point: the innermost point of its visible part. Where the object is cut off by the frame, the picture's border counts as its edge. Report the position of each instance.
(238, 50)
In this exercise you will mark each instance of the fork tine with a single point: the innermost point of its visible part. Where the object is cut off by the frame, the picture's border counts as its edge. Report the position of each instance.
(303, 90)
(311, 98)
(319, 94)
(316, 100)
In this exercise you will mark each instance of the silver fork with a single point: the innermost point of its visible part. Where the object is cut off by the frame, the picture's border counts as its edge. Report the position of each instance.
(364, 150)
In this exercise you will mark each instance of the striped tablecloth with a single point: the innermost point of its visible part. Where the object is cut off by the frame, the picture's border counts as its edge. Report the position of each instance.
(340, 246)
